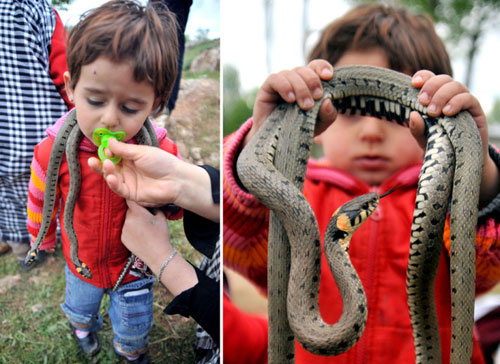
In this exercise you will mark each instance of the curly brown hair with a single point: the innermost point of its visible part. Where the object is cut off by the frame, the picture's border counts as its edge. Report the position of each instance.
(125, 31)
(409, 41)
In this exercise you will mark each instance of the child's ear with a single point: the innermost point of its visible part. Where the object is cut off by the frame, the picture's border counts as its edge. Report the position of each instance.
(156, 104)
(67, 85)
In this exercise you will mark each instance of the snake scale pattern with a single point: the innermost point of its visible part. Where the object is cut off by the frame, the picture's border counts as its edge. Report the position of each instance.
(67, 142)
(272, 167)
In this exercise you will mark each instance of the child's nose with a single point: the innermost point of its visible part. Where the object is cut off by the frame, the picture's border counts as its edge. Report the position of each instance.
(372, 129)
(109, 117)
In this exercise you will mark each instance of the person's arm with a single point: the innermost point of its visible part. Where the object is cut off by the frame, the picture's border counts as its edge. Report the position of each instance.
(57, 59)
(147, 236)
(152, 176)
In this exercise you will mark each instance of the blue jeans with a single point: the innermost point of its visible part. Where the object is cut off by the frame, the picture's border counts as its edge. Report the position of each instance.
(130, 311)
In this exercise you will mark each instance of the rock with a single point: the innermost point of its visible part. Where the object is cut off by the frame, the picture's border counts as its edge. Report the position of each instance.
(196, 153)
(37, 307)
(194, 124)
(208, 61)
(8, 282)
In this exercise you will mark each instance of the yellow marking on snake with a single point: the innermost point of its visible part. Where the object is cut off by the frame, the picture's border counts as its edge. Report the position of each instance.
(344, 223)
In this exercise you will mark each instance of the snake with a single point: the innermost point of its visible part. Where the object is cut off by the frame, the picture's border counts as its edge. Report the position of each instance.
(67, 143)
(272, 167)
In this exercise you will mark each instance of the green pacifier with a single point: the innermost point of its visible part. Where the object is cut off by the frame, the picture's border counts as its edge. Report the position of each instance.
(101, 136)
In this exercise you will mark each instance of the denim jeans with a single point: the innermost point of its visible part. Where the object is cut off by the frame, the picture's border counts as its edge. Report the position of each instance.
(130, 311)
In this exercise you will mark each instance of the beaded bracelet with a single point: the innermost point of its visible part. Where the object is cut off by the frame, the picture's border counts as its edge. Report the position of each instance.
(165, 263)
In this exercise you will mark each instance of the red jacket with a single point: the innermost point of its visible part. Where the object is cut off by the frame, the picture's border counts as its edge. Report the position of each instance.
(379, 251)
(99, 212)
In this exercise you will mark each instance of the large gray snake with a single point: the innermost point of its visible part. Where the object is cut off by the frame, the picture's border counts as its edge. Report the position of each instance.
(67, 142)
(272, 167)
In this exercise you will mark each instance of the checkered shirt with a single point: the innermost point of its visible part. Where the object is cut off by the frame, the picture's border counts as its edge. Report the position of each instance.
(29, 104)
(211, 268)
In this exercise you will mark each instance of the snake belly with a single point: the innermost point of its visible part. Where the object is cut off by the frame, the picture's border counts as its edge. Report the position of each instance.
(389, 95)
(68, 140)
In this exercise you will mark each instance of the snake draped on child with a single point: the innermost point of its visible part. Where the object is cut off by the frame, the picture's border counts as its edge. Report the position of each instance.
(272, 167)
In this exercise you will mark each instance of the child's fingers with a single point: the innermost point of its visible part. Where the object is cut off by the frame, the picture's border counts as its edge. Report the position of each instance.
(444, 92)
(303, 93)
(279, 84)
(430, 87)
(463, 101)
(421, 77)
(312, 81)
(322, 68)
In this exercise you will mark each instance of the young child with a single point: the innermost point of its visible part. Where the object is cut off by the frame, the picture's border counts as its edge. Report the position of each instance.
(33, 97)
(122, 64)
(363, 154)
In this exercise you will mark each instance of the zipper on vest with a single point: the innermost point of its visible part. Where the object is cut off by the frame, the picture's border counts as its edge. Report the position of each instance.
(369, 285)
(104, 268)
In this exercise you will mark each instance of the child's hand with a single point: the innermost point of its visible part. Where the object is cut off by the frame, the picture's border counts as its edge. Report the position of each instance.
(443, 95)
(301, 85)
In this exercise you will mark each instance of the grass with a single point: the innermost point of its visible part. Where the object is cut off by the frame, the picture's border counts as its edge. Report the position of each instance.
(34, 329)
(205, 74)
(191, 52)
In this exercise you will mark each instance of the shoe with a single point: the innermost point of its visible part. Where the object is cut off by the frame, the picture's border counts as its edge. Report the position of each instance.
(39, 260)
(4, 248)
(142, 359)
(90, 345)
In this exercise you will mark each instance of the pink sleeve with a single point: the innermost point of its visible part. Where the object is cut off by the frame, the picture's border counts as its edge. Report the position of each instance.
(245, 223)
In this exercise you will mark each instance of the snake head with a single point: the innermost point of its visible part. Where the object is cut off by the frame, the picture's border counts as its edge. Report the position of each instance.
(353, 213)
(101, 137)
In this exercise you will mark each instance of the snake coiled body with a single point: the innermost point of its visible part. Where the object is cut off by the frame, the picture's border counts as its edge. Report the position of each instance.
(272, 167)
(67, 142)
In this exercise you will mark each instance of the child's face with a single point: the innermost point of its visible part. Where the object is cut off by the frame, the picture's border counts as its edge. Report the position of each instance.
(107, 96)
(368, 148)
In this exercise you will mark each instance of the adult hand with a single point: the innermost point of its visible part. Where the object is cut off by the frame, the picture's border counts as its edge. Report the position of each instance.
(147, 236)
(152, 177)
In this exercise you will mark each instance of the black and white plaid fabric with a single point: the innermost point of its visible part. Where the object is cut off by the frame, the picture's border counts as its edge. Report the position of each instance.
(29, 104)
(204, 342)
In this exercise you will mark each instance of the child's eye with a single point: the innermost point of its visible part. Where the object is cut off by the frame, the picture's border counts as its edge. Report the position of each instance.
(94, 102)
(128, 110)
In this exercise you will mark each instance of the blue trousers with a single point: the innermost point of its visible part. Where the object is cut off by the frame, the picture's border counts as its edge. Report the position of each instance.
(130, 311)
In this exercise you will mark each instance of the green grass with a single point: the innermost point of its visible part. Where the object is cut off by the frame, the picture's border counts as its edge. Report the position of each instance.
(212, 75)
(34, 329)
(190, 53)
